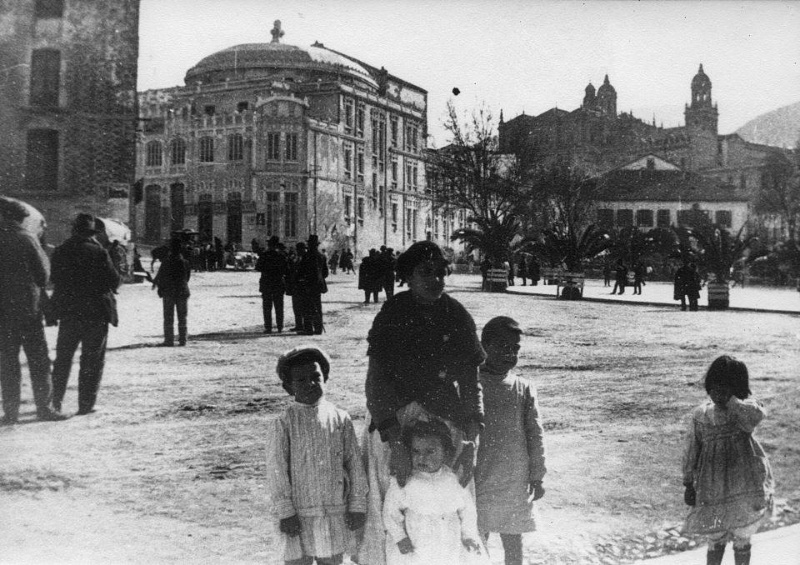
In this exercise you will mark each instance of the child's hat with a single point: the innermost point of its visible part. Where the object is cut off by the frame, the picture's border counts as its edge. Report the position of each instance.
(300, 355)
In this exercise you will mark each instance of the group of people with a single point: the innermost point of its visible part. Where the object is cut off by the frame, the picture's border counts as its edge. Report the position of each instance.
(83, 304)
(527, 267)
(377, 273)
(343, 261)
(621, 272)
(448, 417)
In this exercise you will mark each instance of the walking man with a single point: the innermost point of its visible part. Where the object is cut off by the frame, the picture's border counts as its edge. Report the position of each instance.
(24, 270)
(273, 266)
(85, 281)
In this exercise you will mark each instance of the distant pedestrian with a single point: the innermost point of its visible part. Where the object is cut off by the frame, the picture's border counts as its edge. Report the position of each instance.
(370, 276)
(388, 263)
(726, 473)
(346, 262)
(522, 270)
(333, 264)
(620, 279)
(315, 476)
(606, 273)
(312, 270)
(511, 455)
(687, 285)
(509, 267)
(85, 282)
(291, 284)
(24, 270)
(274, 268)
(172, 283)
(639, 272)
(534, 271)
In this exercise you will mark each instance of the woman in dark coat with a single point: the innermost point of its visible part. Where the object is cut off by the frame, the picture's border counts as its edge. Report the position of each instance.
(370, 276)
(172, 282)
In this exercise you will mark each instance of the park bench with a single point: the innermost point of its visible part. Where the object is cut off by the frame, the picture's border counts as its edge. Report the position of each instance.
(496, 280)
(572, 283)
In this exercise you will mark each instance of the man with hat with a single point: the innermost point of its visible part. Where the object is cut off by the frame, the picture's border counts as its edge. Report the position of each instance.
(24, 270)
(312, 270)
(273, 266)
(85, 282)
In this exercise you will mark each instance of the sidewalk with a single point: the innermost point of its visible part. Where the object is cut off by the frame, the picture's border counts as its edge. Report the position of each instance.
(775, 547)
(752, 299)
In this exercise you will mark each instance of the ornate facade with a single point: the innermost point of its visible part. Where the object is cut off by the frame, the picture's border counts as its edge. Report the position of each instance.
(68, 106)
(273, 139)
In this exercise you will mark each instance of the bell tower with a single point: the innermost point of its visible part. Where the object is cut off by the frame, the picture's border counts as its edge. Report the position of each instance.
(701, 114)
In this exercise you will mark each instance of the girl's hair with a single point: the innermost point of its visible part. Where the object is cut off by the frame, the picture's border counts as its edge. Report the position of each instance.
(729, 371)
(432, 428)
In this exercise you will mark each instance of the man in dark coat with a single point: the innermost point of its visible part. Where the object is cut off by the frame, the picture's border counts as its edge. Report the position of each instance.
(312, 270)
(172, 282)
(388, 265)
(370, 276)
(621, 279)
(291, 284)
(687, 284)
(85, 282)
(24, 270)
(274, 267)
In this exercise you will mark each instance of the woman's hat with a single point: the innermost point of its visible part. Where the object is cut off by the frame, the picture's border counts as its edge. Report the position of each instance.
(300, 356)
(418, 253)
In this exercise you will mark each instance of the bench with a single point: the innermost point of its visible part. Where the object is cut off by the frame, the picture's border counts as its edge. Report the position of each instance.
(572, 283)
(496, 280)
(550, 275)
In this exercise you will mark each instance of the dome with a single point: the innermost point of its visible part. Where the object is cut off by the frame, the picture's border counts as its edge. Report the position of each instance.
(271, 58)
(606, 87)
(590, 89)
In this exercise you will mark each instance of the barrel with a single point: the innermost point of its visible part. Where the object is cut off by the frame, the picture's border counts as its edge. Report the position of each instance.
(718, 296)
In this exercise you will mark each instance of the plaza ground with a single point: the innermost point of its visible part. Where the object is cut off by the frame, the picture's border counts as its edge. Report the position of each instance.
(171, 467)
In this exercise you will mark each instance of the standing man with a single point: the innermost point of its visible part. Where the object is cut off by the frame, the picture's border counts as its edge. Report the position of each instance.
(172, 282)
(85, 281)
(687, 284)
(387, 256)
(312, 270)
(274, 267)
(24, 270)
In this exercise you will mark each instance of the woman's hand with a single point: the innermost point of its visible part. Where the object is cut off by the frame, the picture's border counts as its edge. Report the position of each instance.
(535, 490)
(291, 526)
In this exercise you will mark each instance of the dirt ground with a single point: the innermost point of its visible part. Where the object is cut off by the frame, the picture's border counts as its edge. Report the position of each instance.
(171, 467)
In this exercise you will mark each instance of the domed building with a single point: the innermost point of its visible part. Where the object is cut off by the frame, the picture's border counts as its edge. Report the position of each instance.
(273, 139)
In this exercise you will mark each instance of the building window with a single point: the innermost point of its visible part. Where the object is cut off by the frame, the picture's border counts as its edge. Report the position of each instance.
(49, 8)
(624, 217)
(408, 223)
(348, 115)
(360, 113)
(206, 149)
(177, 152)
(291, 211)
(45, 77)
(395, 127)
(273, 146)
(412, 170)
(153, 154)
(360, 163)
(235, 147)
(743, 181)
(644, 218)
(663, 219)
(684, 217)
(348, 161)
(42, 160)
(381, 198)
(348, 207)
(651, 164)
(375, 136)
(360, 210)
(271, 212)
(605, 217)
(394, 217)
(723, 218)
(242, 107)
(291, 147)
(411, 138)
(209, 110)
(395, 168)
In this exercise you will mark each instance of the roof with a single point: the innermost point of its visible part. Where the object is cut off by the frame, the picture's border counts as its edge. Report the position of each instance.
(665, 186)
(273, 56)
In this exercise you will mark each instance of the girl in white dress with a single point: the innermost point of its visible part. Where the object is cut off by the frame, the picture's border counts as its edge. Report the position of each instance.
(432, 519)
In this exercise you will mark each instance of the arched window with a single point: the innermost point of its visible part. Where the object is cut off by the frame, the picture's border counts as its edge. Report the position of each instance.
(178, 151)
(206, 149)
(153, 154)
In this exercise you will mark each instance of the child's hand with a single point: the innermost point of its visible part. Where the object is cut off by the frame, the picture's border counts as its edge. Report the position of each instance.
(291, 526)
(355, 520)
(466, 463)
(400, 462)
(535, 490)
(405, 546)
(690, 495)
(471, 545)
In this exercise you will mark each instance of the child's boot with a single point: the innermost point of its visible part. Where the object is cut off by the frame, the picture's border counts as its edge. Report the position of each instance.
(741, 555)
(715, 553)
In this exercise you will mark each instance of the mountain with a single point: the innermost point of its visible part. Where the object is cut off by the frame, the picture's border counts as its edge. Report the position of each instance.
(780, 128)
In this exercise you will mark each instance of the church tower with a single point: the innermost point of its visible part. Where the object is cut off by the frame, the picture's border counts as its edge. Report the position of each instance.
(589, 97)
(701, 114)
(606, 100)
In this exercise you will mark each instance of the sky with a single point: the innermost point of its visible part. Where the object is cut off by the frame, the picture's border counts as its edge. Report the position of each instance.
(513, 55)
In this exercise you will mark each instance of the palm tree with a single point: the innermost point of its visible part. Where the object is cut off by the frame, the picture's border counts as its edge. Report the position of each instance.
(560, 246)
(716, 250)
